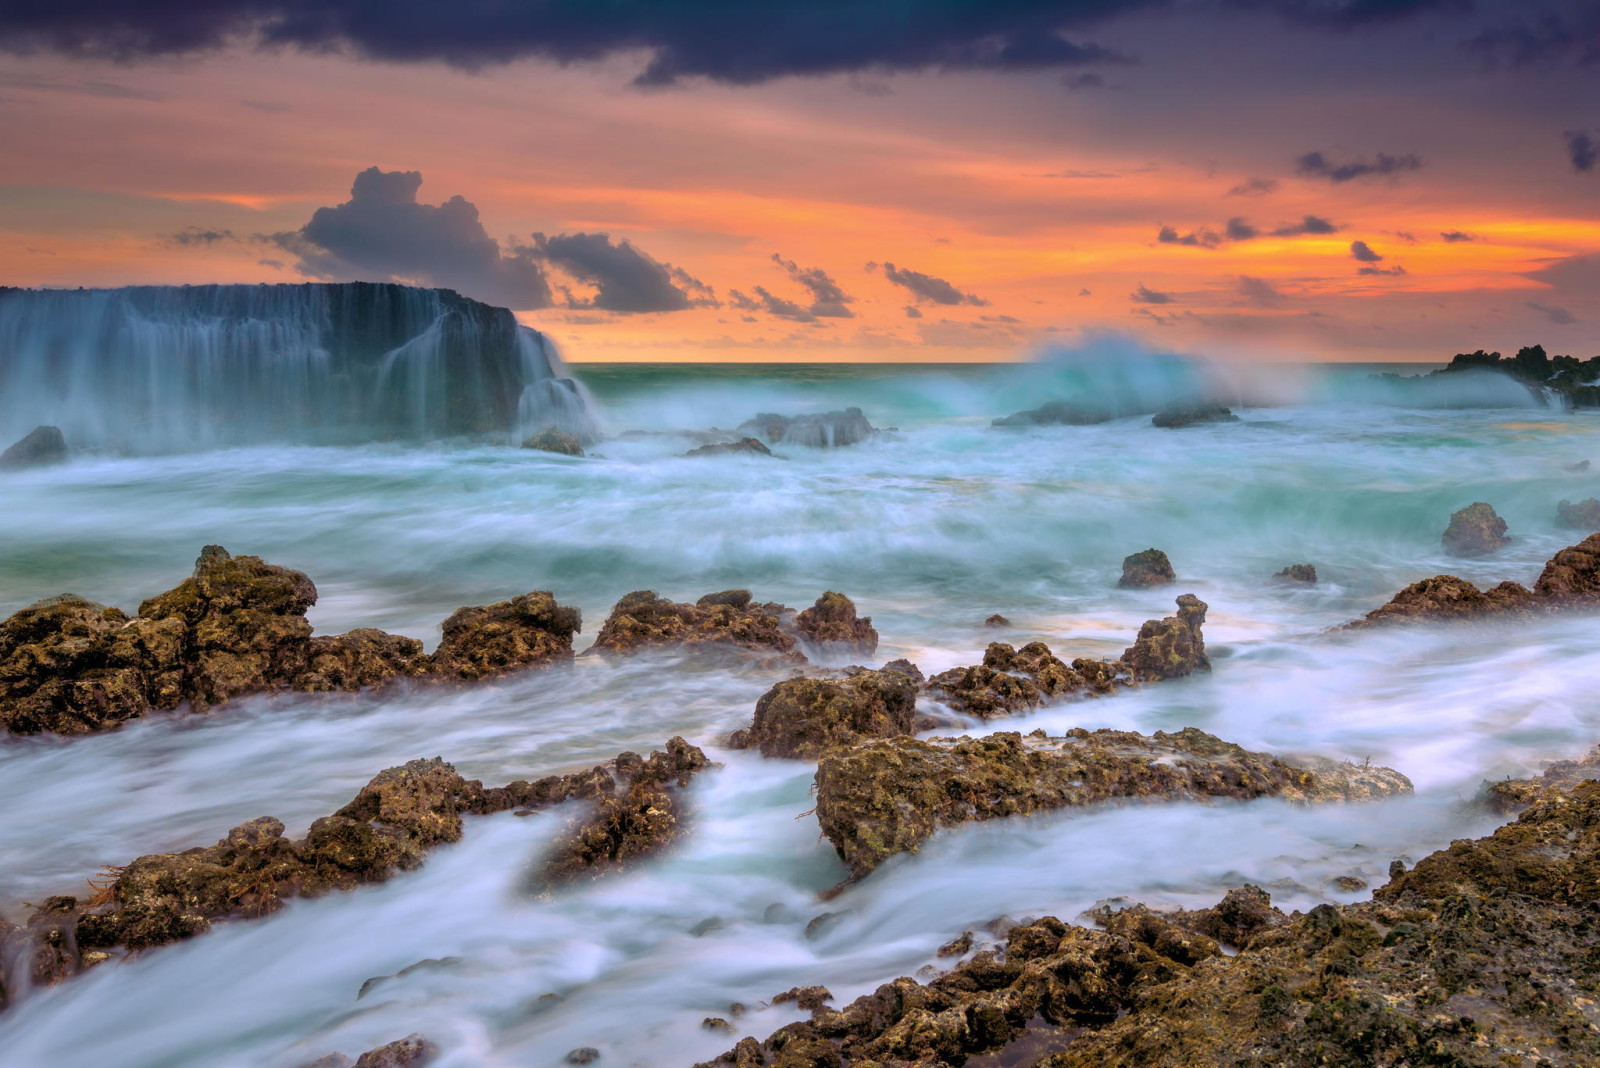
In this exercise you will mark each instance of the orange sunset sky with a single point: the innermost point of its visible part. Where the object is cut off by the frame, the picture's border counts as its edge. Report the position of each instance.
(1355, 180)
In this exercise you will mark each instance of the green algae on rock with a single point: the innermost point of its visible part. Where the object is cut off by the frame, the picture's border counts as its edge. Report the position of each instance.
(721, 621)
(388, 827)
(803, 717)
(889, 796)
(237, 626)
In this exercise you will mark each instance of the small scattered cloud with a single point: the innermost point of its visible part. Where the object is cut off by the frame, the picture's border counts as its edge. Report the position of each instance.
(1240, 230)
(828, 300)
(1556, 314)
(198, 237)
(1085, 292)
(1309, 224)
(1318, 165)
(1254, 187)
(913, 312)
(1362, 251)
(1145, 295)
(1582, 149)
(1089, 80)
(1396, 269)
(1453, 237)
(1202, 238)
(925, 288)
(1260, 292)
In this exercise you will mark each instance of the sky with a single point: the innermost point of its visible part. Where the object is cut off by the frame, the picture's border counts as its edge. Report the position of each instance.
(902, 180)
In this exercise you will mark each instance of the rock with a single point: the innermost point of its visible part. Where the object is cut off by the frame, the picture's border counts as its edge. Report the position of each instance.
(997, 620)
(809, 998)
(40, 447)
(1508, 796)
(1303, 574)
(717, 1023)
(889, 795)
(332, 1060)
(906, 668)
(1585, 515)
(1475, 531)
(642, 620)
(1172, 647)
(802, 718)
(1178, 415)
(65, 667)
(1571, 578)
(553, 440)
(1580, 465)
(1145, 569)
(831, 624)
(1446, 598)
(1348, 884)
(828, 430)
(742, 447)
(1058, 413)
(583, 1055)
(413, 1051)
(361, 658)
(527, 631)
(958, 946)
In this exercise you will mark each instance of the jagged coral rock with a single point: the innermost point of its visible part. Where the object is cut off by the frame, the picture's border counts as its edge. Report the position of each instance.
(802, 717)
(1172, 647)
(526, 631)
(1296, 574)
(642, 619)
(832, 623)
(889, 796)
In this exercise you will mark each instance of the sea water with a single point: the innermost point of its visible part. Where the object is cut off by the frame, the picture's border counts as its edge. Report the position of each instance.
(930, 528)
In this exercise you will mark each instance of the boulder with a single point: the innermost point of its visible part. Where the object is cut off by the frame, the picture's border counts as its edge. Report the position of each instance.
(890, 795)
(1475, 530)
(553, 440)
(65, 666)
(996, 620)
(1296, 574)
(802, 718)
(1172, 647)
(1585, 515)
(413, 1051)
(721, 622)
(40, 447)
(527, 631)
(824, 431)
(1145, 569)
(742, 447)
(832, 625)
(1179, 415)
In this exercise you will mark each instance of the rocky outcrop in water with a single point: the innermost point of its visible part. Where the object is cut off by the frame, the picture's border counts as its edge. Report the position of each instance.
(1180, 415)
(1585, 515)
(726, 621)
(802, 718)
(1475, 530)
(1144, 569)
(832, 626)
(1057, 413)
(1570, 580)
(387, 828)
(413, 1051)
(557, 441)
(237, 627)
(1296, 574)
(742, 447)
(889, 796)
(40, 447)
(829, 430)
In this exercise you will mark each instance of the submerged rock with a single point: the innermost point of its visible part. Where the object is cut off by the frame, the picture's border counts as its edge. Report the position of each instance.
(1145, 569)
(824, 431)
(802, 718)
(1585, 515)
(1475, 530)
(413, 1051)
(40, 447)
(1179, 415)
(889, 796)
(832, 625)
(742, 447)
(1302, 574)
(237, 627)
(1057, 413)
(553, 440)
(723, 621)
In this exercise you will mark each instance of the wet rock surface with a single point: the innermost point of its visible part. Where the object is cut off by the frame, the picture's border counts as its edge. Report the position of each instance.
(1144, 569)
(237, 626)
(1296, 574)
(1181, 415)
(889, 796)
(828, 430)
(1481, 956)
(1585, 515)
(387, 828)
(802, 718)
(1058, 413)
(557, 441)
(742, 447)
(729, 621)
(832, 626)
(40, 447)
(1476, 530)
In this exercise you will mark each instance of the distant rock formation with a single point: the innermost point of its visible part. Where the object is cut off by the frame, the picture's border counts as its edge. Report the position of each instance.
(1296, 574)
(742, 447)
(1585, 515)
(40, 447)
(829, 430)
(1179, 415)
(553, 440)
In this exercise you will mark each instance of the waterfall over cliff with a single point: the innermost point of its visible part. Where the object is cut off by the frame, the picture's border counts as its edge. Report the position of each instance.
(174, 367)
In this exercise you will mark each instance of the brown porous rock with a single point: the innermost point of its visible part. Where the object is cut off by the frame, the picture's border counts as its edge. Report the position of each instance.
(1475, 530)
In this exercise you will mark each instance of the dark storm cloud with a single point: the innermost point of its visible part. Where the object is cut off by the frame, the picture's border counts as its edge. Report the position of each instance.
(1254, 187)
(1259, 291)
(1363, 252)
(1556, 314)
(1453, 237)
(731, 41)
(925, 287)
(828, 300)
(1318, 165)
(382, 234)
(1145, 295)
(1582, 150)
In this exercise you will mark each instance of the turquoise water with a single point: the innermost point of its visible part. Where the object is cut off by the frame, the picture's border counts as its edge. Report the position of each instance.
(930, 528)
